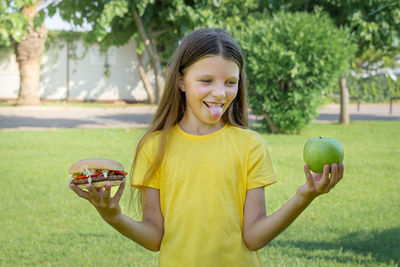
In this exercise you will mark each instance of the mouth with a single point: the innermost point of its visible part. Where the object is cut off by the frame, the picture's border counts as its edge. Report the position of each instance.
(213, 104)
(215, 108)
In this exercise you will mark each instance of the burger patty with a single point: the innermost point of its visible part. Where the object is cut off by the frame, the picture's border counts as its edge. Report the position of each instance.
(99, 178)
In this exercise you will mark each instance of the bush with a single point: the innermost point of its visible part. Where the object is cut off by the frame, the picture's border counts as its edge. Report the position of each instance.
(291, 58)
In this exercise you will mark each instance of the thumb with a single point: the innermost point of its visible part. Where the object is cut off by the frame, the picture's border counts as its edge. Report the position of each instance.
(309, 178)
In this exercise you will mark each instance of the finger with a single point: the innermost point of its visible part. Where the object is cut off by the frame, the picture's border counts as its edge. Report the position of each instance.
(93, 192)
(120, 190)
(79, 192)
(341, 170)
(100, 191)
(309, 178)
(334, 175)
(107, 193)
(325, 176)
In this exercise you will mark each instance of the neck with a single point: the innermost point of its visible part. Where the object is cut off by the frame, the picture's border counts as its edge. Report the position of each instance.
(200, 129)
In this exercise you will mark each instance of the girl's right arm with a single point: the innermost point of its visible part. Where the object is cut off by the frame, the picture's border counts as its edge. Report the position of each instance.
(147, 233)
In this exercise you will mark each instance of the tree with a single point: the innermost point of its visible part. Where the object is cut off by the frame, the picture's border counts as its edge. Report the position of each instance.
(21, 26)
(374, 26)
(116, 22)
(156, 25)
(291, 59)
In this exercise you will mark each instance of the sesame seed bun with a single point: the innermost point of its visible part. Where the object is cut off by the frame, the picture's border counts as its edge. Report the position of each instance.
(95, 163)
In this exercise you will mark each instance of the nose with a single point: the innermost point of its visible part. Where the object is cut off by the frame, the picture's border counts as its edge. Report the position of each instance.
(219, 91)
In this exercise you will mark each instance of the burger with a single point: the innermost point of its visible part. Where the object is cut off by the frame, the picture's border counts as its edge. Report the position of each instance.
(96, 171)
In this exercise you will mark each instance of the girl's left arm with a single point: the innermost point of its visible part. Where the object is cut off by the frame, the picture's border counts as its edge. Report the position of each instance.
(259, 229)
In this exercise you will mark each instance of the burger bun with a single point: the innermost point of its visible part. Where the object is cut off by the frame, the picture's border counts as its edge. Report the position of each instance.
(95, 163)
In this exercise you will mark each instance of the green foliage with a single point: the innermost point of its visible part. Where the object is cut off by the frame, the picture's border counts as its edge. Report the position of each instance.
(165, 22)
(291, 59)
(112, 21)
(373, 24)
(5, 52)
(377, 25)
(394, 87)
(38, 20)
(12, 23)
(185, 16)
(55, 36)
(111, 11)
(373, 89)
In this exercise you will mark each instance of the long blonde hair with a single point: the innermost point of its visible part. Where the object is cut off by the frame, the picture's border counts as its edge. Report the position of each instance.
(195, 46)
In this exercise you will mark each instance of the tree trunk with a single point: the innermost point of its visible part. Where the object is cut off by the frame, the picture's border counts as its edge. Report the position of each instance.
(28, 53)
(344, 101)
(159, 75)
(151, 53)
(274, 129)
(145, 80)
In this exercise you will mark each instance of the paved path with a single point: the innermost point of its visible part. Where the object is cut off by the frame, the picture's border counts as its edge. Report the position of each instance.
(366, 112)
(42, 118)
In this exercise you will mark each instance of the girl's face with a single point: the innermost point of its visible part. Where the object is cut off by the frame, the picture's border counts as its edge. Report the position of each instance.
(210, 85)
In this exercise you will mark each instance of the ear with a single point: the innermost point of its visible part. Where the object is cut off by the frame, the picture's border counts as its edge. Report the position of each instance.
(181, 83)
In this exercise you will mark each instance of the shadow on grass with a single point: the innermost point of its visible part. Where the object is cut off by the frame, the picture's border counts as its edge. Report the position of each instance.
(381, 246)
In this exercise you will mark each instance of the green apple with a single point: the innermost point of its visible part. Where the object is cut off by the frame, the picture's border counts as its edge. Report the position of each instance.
(320, 151)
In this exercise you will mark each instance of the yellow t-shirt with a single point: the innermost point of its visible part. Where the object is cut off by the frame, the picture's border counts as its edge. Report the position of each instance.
(203, 182)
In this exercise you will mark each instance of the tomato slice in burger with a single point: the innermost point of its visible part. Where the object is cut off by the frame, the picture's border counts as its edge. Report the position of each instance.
(84, 176)
(121, 173)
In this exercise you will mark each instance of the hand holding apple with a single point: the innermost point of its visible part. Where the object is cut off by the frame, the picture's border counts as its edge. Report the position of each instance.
(320, 183)
(321, 151)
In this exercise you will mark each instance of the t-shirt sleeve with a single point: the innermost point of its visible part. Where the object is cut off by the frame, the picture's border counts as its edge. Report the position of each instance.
(260, 170)
(144, 161)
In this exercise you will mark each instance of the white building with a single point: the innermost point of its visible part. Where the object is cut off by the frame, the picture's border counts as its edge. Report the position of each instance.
(81, 79)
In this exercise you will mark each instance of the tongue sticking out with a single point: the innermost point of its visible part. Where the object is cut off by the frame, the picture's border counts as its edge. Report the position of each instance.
(216, 111)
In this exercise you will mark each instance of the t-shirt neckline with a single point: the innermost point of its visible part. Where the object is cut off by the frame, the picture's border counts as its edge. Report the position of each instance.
(181, 132)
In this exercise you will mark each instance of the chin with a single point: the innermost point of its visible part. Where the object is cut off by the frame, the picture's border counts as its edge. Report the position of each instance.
(214, 122)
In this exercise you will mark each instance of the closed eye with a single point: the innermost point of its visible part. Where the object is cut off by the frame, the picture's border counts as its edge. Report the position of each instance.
(232, 82)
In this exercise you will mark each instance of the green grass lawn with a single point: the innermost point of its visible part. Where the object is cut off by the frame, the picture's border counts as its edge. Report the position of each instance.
(43, 223)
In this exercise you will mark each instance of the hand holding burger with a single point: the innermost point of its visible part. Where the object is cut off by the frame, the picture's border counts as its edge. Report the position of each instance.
(97, 172)
(94, 174)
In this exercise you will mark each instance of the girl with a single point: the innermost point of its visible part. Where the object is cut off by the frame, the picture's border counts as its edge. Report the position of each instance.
(200, 171)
